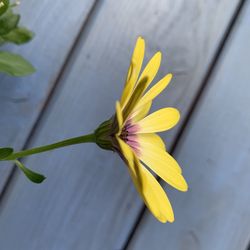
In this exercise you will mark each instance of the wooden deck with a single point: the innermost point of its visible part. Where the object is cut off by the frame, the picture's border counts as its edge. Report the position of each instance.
(88, 200)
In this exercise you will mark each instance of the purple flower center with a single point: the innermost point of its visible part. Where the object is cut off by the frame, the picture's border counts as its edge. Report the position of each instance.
(129, 135)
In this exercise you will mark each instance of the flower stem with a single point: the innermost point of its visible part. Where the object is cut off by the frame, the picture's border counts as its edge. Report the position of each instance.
(65, 143)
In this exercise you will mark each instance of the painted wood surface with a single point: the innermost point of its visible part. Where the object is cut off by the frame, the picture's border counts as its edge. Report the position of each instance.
(215, 154)
(88, 200)
(21, 99)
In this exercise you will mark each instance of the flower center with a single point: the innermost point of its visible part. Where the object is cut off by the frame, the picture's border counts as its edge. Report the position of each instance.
(129, 136)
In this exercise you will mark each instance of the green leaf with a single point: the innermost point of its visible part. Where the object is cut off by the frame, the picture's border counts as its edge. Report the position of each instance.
(5, 152)
(14, 64)
(8, 21)
(31, 175)
(19, 35)
(4, 4)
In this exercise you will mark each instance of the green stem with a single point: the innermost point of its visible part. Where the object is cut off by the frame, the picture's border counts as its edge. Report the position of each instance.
(65, 143)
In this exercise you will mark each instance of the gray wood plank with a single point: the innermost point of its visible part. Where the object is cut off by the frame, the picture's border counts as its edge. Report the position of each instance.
(21, 99)
(214, 152)
(88, 200)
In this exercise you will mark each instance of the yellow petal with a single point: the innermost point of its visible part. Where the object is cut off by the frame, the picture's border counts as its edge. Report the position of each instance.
(155, 90)
(141, 112)
(151, 139)
(162, 163)
(119, 117)
(125, 150)
(134, 99)
(134, 70)
(144, 104)
(152, 146)
(158, 121)
(155, 197)
(150, 190)
(151, 69)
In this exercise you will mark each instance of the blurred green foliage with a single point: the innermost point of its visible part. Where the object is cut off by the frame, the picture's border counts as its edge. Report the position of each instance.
(11, 32)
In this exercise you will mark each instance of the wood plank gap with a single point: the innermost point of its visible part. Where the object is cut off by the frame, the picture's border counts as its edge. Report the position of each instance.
(193, 105)
(53, 90)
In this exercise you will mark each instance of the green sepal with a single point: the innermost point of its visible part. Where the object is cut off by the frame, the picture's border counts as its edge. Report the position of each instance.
(18, 36)
(5, 152)
(8, 22)
(103, 135)
(4, 4)
(14, 65)
(31, 175)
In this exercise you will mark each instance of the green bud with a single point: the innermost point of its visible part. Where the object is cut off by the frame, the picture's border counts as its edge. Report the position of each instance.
(104, 136)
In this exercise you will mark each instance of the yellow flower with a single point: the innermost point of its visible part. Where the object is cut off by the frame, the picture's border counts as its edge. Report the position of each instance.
(131, 133)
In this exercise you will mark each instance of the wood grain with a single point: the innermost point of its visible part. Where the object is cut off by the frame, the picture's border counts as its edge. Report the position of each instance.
(21, 99)
(88, 200)
(214, 151)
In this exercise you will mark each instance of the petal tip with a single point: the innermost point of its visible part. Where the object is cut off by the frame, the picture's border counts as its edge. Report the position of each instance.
(170, 75)
(178, 114)
(117, 103)
(165, 220)
(141, 40)
(171, 221)
(162, 219)
(158, 54)
(171, 217)
(184, 187)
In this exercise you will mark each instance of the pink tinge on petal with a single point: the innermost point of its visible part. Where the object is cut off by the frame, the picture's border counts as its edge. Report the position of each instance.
(132, 137)
(132, 129)
(129, 136)
(133, 143)
(128, 122)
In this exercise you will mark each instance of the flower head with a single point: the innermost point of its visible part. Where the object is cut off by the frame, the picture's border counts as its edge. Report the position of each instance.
(131, 132)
